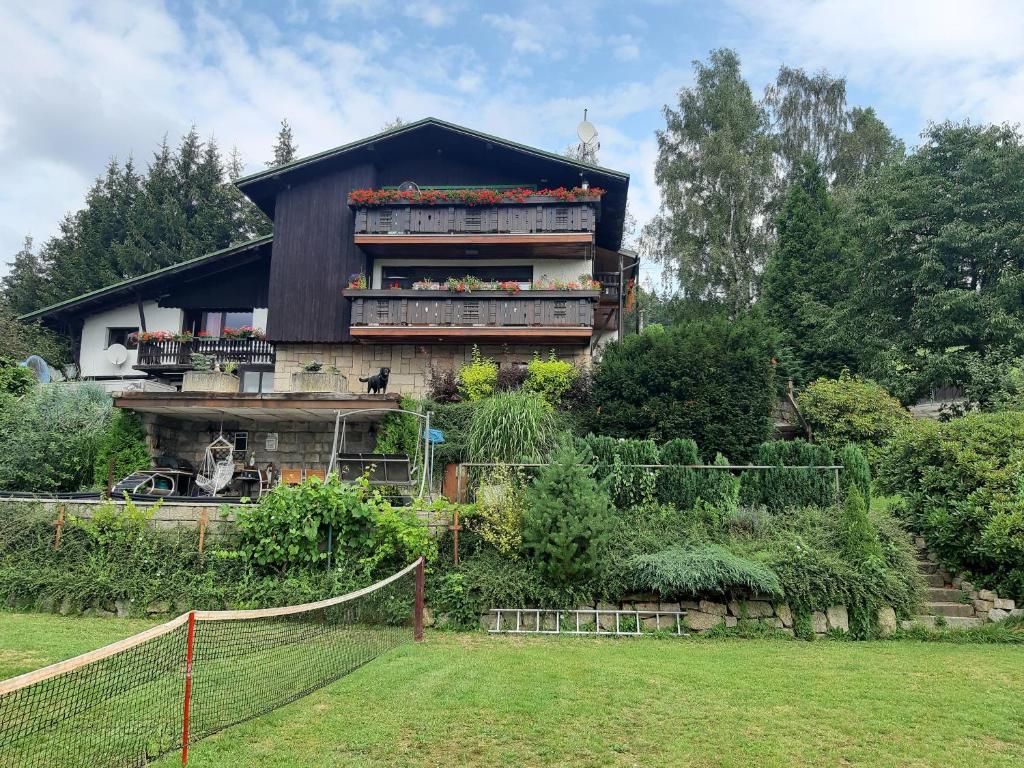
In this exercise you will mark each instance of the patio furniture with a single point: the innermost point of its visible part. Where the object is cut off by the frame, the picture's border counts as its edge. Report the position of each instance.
(291, 477)
(218, 466)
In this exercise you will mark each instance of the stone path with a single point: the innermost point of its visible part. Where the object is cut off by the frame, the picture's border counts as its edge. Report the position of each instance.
(942, 598)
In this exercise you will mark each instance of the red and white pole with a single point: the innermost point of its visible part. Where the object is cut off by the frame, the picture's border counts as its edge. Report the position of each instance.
(188, 686)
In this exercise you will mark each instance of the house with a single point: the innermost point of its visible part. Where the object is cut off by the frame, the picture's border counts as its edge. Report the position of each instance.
(402, 250)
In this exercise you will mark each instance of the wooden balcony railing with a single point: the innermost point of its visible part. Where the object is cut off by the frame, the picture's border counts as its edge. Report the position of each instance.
(537, 215)
(610, 285)
(403, 315)
(170, 356)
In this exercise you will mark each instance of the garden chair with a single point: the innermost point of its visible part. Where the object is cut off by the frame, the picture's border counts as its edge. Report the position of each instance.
(319, 474)
(291, 477)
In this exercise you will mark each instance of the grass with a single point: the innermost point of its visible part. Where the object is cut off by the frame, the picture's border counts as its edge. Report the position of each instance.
(495, 701)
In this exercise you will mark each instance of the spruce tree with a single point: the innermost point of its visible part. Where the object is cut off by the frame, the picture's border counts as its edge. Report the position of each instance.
(567, 519)
(23, 284)
(284, 146)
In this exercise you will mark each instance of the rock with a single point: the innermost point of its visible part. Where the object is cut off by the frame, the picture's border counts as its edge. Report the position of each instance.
(490, 620)
(644, 607)
(668, 607)
(919, 542)
(819, 622)
(428, 616)
(957, 582)
(966, 586)
(1017, 612)
(46, 604)
(838, 618)
(98, 613)
(886, 621)
(773, 622)
(1004, 604)
(789, 632)
(731, 621)
(159, 606)
(66, 607)
(698, 621)
(997, 614)
(751, 609)
(782, 610)
(123, 606)
(987, 594)
(719, 609)
(689, 605)
(984, 606)
(606, 621)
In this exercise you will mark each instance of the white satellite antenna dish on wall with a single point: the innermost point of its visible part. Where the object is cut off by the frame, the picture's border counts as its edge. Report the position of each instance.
(117, 354)
(589, 144)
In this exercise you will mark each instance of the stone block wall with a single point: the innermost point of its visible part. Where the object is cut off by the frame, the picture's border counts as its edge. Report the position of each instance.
(409, 363)
(299, 444)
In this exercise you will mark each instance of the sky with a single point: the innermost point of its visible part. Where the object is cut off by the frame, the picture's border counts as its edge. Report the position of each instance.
(81, 82)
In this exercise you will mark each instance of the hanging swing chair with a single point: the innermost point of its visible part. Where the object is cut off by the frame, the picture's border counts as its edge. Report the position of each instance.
(217, 467)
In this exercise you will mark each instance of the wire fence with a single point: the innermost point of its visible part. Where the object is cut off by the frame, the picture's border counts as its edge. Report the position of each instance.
(158, 691)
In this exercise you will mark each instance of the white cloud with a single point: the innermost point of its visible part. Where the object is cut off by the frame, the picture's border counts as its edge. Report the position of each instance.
(625, 47)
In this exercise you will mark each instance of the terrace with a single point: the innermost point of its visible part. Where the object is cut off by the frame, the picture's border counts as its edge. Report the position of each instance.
(171, 354)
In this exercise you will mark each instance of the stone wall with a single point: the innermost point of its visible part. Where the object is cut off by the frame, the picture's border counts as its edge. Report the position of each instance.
(299, 444)
(168, 516)
(409, 363)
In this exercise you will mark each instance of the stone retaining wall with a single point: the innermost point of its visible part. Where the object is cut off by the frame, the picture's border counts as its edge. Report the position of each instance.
(169, 516)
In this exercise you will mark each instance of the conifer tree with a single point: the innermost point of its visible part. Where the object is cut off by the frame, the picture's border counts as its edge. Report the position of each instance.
(23, 284)
(284, 146)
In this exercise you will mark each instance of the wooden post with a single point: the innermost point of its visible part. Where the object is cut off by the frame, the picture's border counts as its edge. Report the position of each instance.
(203, 520)
(59, 525)
(455, 530)
(188, 685)
(111, 466)
(839, 495)
(417, 632)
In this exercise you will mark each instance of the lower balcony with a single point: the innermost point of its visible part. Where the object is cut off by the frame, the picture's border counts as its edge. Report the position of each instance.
(169, 356)
(534, 316)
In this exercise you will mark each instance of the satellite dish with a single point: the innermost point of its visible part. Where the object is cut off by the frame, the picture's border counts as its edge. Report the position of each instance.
(117, 354)
(408, 186)
(586, 131)
(39, 367)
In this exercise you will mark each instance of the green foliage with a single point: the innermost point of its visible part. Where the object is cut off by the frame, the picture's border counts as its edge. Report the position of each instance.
(708, 569)
(550, 379)
(15, 380)
(719, 488)
(399, 432)
(779, 489)
(675, 485)
(961, 483)
(286, 529)
(852, 410)
(859, 538)
(566, 519)
(856, 472)
(498, 518)
(509, 428)
(711, 381)
(49, 439)
(478, 378)
(125, 442)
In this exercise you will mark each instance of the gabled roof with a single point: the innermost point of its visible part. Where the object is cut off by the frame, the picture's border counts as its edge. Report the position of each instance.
(419, 137)
(150, 283)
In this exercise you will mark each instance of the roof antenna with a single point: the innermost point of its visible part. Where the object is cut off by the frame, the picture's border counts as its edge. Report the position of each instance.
(588, 146)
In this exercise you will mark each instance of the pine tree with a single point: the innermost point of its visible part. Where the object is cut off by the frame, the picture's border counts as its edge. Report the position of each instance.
(284, 146)
(22, 286)
(567, 519)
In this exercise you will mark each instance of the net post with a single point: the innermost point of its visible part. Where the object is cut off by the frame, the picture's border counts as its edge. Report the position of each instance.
(203, 519)
(188, 685)
(59, 527)
(417, 633)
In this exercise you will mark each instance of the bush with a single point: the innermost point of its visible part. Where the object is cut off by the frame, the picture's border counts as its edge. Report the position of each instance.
(711, 381)
(856, 472)
(478, 378)
(550, 378)
(125, 442)
(510, 428)
(961, 483)
(498, 518)
(852, 410)
(859, 538)
(510, 378)
(628, 485)
(49, 439)
(719, 488)
(566, 519)
(15, 380)
(443, 385)
(708, 569)
(675, 485)
(780, 489)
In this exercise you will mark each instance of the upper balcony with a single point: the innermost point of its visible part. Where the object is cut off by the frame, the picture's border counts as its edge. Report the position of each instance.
(172, 353)
(549, 223)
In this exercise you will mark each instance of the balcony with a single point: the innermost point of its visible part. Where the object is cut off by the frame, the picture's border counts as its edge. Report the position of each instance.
(171, 357)
(537, 225)
(536, 316)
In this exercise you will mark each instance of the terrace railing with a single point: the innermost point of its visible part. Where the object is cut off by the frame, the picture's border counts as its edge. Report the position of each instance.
(177, 355)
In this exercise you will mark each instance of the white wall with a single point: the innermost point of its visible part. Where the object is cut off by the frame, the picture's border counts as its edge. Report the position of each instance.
(543, 269)
(93, 357)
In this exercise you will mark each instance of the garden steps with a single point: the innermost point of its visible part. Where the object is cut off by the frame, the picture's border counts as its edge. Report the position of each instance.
(950, 609)
(955, 622)
(945, 595)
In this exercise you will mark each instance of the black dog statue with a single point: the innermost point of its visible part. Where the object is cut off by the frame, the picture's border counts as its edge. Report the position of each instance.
(378, 382)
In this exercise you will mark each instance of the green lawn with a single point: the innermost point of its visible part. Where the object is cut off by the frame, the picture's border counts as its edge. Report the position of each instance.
(488, 701)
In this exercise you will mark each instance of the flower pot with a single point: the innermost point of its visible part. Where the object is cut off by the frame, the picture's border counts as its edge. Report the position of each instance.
(318, 381)
(209, 381)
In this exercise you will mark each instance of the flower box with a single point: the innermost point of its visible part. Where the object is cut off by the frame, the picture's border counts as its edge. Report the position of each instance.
(209, 381)
(318, 381)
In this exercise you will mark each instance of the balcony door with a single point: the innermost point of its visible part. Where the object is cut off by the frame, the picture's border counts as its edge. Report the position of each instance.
(213, 322)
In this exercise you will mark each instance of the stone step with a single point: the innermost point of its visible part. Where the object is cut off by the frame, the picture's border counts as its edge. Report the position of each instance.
(938, 594)
(934, 580)
(949, 609)
(954, 622)
(924, 566)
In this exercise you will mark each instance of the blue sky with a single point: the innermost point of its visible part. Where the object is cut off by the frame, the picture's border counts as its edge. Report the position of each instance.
(81, 82)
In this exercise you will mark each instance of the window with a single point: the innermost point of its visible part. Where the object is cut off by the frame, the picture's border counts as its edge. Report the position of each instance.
(213, 322)
(404, 277)
(241, 441)
(120, 336)
(257, 381)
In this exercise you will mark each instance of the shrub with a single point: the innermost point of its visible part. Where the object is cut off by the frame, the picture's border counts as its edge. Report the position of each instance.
(615, 459)
(859, 538)
(719, 488)
(510, 378)
(499, 514)
(550, 378)
(852, 410)
(779, 489)
(708, 569)
(125, 442)
(711, 381)
(478, 378)
(566, 519)
(960, 481)
(49, 439)
(399, 432)
(15, 380)
(443, 384)
(856, 472)
(675, 485)
(510, 428)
